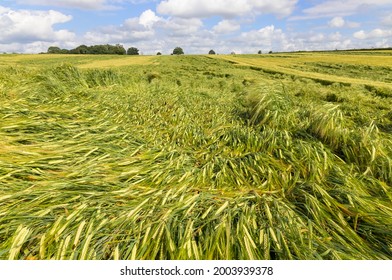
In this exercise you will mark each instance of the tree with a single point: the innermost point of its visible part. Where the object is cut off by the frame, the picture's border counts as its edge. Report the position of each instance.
(260, 52)
(82, 49)
(54, 49)
(211, 52)
(133, 51)
(119, 49)
(159, 53)
(96, 49)
(178, 50)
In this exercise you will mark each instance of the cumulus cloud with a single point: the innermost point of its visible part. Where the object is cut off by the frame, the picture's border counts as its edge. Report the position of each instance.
(340, 22)
(148, 19)
(360, 35)
(225, 8)
(318, 38)
(387, 20)
(147, 29)
(375, 33)
(129, 32)
(33, 47)
(320, 41)
(83, 4)
(226, 26)
(181, 27)
(275, 39)
(267, 38)
(4, 10)
(150, 31)
(340, 8)
(79, 4)
(30, 26)
(336, 37)
(337, 22)
(136, 29)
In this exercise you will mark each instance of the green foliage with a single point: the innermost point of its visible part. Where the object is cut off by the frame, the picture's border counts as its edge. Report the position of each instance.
(211, 52)
(54, 49)
(82, 49)
(96, 49)
(332, 97)
(178, 51)
(134, 163)
(378, 73)
(133, 51)
(152, 76)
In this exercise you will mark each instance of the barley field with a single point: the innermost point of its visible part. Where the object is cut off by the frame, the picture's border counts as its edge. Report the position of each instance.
(278, 156)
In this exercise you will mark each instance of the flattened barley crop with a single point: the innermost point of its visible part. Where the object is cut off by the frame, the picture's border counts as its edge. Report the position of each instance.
(193, 164)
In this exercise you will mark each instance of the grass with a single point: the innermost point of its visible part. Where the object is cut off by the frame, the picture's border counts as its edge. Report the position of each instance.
(190, 157)
(325, 68)
(83, 61)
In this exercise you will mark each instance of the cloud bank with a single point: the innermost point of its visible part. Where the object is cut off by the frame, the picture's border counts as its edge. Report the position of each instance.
(243, 26)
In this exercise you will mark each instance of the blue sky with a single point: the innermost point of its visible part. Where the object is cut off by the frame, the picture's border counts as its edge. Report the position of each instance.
(242, 26)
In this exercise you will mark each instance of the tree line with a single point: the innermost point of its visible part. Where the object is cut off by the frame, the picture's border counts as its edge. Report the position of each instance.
(104, 49)
(96, 49)
(113, 49)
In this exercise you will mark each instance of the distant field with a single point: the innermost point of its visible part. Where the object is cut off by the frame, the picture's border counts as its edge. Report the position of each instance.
(352, 68)
(275, 156)
(83, 61)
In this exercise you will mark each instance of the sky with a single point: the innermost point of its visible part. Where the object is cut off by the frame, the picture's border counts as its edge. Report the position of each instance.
(197, 26)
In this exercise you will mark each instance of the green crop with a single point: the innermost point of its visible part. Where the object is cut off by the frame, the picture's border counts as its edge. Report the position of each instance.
(194, 157)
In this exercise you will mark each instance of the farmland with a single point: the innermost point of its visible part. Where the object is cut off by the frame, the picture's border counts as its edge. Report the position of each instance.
(278, 156)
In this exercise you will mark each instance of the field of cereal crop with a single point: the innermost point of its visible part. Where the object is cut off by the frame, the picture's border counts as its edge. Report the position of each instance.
(279, 156)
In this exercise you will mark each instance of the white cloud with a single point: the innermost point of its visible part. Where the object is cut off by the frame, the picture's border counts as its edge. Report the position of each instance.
(148, 19)
(118, 34)
(317, 38)
(225, 8)
(138, 1)
(148, 31)
(226, 26)
(360, 35)
(30, 26)
(80, 4)
(337, 22)
(320, 41)
(340, 22)
(84, 4)
(336, 37)
(35, 31)
(151, 33)
(181, 27)
(383, 44)
(340, 8)
(34, 47)
(132, 30)
(268, 38)
(275, 39)
(352, 24)
(387, 20)
(4, 10)
(375, 33)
